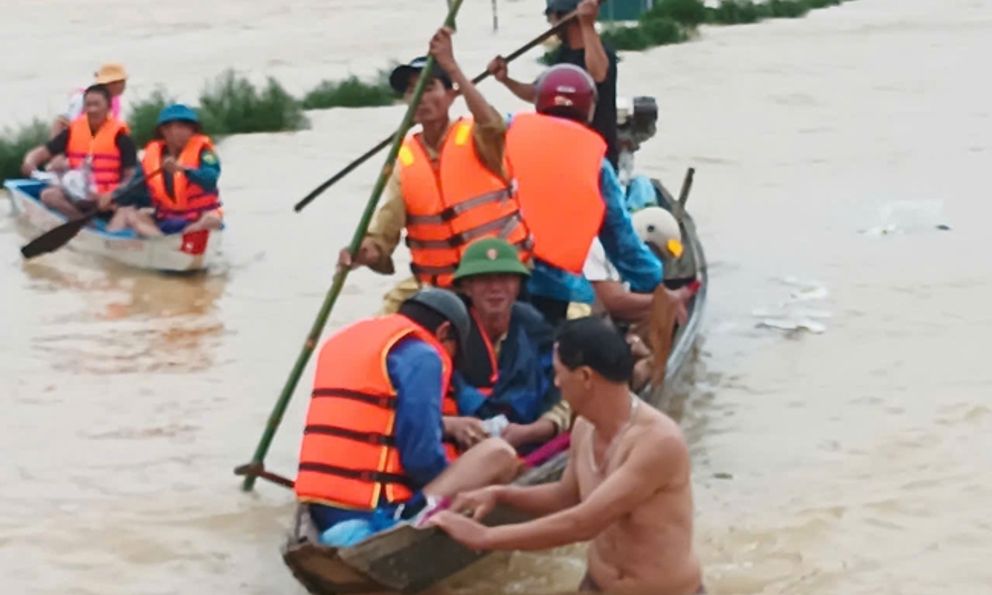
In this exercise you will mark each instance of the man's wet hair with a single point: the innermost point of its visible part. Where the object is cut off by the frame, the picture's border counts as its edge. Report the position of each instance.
(594, 342)
(99, 90)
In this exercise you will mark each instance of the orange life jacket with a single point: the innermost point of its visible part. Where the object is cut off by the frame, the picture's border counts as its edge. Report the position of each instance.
(452, 202)
(188, 199)
(557, 163)
(348, 457)
(100, 147)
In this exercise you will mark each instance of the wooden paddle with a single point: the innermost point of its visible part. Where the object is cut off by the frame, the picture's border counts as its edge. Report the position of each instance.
(275, 418)
(385, 142)
(257, 470)
(54, 239)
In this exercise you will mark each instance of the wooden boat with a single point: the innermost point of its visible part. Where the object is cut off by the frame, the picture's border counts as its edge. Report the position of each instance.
(181, 252)
(406, 559)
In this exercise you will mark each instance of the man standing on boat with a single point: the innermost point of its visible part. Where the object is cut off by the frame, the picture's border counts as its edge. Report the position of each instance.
(97, 145)
(374, 446)
(582, 47)
(180, 170)
(465, 155)
(626, 487)
(505, 367)
(552, 155)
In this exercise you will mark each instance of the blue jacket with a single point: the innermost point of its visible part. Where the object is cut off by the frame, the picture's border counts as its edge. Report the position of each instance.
(632, 258)
(415, 369)
(525, 386)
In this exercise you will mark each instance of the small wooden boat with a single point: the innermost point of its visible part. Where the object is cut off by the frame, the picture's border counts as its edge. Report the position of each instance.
(181, 252)
(406, 559)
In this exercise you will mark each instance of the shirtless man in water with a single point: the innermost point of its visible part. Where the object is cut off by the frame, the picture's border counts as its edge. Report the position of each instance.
(626, 486)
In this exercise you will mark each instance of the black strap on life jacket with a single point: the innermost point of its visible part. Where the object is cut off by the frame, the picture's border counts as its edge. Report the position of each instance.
(380, 400)
(375, 438)
(359, 474)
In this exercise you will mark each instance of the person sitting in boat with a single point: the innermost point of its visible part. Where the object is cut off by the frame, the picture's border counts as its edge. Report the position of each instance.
(505, 370)
(626, 488)
(114, 77)
(374, 446)
(450, 184)
(180, 169)
(96, 146)
(632, 311)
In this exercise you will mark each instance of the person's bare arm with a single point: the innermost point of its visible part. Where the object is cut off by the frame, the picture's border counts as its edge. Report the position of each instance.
(621, 303)
(646, 470)
(500, 70)
(597, 62)
(442, 50)
(35, 159)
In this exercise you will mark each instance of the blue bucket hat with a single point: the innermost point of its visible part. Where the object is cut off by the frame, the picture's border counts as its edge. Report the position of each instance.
(178, 112)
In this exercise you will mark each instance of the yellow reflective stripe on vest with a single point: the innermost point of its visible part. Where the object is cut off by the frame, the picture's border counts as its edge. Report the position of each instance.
(406, 156)
(462, 133)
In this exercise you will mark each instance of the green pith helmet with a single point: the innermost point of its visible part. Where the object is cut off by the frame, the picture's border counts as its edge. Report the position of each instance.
(490, 256)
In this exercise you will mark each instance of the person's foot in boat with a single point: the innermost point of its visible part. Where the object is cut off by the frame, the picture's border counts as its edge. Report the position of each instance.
(373, 446)
(626, 488)
(506, 376)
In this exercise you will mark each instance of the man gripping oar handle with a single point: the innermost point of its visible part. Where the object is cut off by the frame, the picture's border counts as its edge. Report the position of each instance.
(386, 141)
(310, 343)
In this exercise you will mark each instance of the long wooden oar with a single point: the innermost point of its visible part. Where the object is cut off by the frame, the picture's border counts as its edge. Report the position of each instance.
(385, 142)
(339, 277)
(57, 237)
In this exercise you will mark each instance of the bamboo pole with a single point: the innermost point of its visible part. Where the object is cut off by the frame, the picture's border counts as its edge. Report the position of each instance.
(342, 273)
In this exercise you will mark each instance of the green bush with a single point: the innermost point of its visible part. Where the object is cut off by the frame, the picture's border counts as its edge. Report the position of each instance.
(232, 105)
(626, 38)
(788, 9)
(737, 12)
(15, 143)
(144, 115)
(663, 31)
(351, 92)
(823, 3)
(688, 13)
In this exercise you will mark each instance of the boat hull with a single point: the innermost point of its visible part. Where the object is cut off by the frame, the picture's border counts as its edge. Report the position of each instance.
(181, 252)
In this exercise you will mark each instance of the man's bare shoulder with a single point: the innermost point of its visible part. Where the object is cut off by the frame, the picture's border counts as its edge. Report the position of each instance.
(659, 435)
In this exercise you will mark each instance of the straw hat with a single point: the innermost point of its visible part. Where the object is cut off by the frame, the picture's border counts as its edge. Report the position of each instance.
(110, 73)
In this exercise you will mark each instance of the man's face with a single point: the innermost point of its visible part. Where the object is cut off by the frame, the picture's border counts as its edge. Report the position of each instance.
(492, 295)
(177, 133)
(434, 103)
(96, 107)
(575, 384)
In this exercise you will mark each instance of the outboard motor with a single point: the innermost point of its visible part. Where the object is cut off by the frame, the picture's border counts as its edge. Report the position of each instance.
(637, 121)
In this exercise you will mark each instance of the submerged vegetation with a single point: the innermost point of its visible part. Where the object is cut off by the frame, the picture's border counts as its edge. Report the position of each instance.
(14, 143)
(675, 21)
(144, 115)
(351, 92)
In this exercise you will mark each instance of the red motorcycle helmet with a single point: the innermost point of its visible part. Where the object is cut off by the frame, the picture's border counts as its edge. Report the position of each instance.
(566, 91)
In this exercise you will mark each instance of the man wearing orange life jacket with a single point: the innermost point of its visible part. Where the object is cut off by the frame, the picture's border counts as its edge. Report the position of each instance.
(180, 169)
(374, 446)
(450, 184)
(562, 172)
(95, 142)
